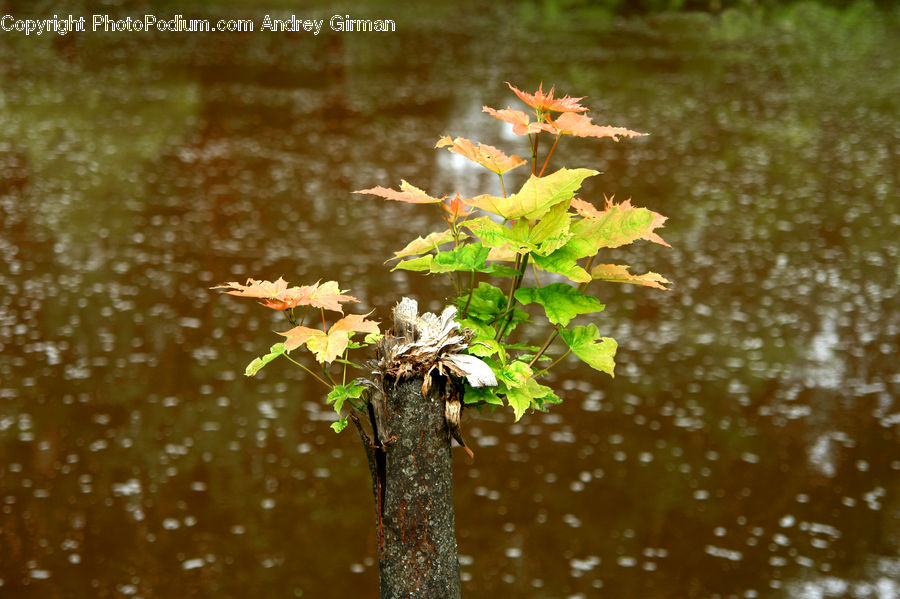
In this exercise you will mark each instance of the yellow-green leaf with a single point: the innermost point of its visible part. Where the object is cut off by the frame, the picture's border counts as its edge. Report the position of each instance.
(258, 363)
(617, 225)
(564, 261)
(420, 245)
(326, 348)
(586, 343)
(537, 196)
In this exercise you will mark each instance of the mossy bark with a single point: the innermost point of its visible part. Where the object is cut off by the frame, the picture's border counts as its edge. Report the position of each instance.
(413, 485)
(409, 454)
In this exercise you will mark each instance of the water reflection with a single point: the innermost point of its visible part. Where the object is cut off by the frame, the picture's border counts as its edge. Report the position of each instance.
(747, 447)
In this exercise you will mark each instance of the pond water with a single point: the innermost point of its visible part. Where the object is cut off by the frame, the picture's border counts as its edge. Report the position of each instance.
(748, 446)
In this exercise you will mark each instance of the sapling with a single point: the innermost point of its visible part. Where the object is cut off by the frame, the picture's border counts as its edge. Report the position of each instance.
(500, 254)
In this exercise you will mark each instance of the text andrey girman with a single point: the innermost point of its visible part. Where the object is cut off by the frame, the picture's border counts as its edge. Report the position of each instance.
(178, 23)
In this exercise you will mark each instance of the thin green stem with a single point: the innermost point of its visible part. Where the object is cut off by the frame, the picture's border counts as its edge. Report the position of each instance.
(500, 316)
(348, 363)
(521, 266)
(554, 363)
(471, 291)
(454, 279)
(314, 375)
(587, 268)
(328, 374)
(534, 151)
(502, 187)
(544, 347)
(534, 269)
(555, 332)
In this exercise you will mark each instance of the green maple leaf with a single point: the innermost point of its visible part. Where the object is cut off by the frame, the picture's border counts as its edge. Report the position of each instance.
(341, 393)
(487, 395)
(561, 302)
(564, 261)
(471, 257)
(258, 363)
(586, 343)
(495, 235)
(522, 391)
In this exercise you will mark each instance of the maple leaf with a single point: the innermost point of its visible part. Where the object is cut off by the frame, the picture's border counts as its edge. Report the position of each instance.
(258, 363)
(618, 273)
(328, 346)
(581, 125)
(456, 207)
(408, 193)
(617, 224)
(421, 245)
(356, 323)
(470, 257)
(564, 261)
(586, 343)
(521, 122)
(298, 336)
(328, 296)
(273, 294)
(521, 390)
(537, 195)
(487, 156)
(278, 296)
(254, 288)
(561, 302)
(544, 102)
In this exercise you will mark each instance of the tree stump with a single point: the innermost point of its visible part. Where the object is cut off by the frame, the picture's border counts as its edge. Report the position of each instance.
(414, 408)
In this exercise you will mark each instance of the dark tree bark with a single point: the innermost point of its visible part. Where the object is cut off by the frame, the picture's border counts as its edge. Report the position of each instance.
(410, 461)
(417, 556)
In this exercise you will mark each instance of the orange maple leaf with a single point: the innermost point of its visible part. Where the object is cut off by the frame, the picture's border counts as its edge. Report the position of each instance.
(545, 102)
(618, 273)
(408, 193)
(278, 296)
(328, 346)
(522, 124)
(272, 293)
(580, 125)
(299, 336)
(457, 207)
(356, 323)
(328, 296)
(487, 156)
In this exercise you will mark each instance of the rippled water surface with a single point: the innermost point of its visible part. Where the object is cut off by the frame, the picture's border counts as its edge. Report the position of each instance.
(748, 446)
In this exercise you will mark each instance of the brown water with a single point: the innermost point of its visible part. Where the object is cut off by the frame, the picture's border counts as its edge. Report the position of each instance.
(748, 446)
